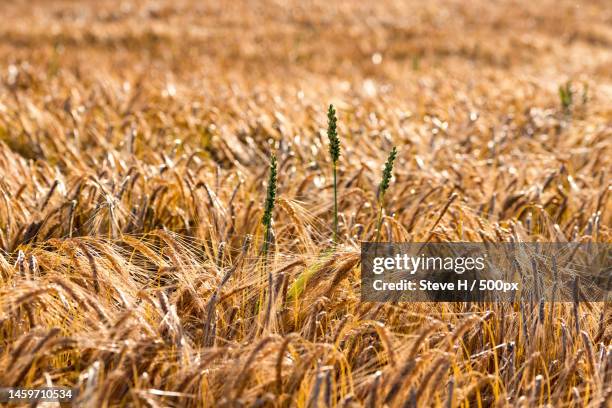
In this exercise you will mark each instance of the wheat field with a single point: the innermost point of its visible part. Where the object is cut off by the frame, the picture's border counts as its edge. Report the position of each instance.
(135, 146)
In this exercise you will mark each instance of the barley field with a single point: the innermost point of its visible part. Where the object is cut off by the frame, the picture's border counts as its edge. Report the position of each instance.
(136, 141)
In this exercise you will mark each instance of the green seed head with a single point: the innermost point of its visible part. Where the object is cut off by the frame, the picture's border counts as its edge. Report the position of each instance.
(387, 172)
(566, 95)
(332, 134)
(271, 195)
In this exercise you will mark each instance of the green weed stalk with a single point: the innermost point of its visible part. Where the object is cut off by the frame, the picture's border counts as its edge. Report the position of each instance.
(384, 186)
(566, 96)
(334, 152)
(269, 206)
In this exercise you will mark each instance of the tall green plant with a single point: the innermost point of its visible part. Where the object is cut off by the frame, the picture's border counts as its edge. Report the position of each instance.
(566, 96)
(382, 189)
(334, 152)
(269, 206)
